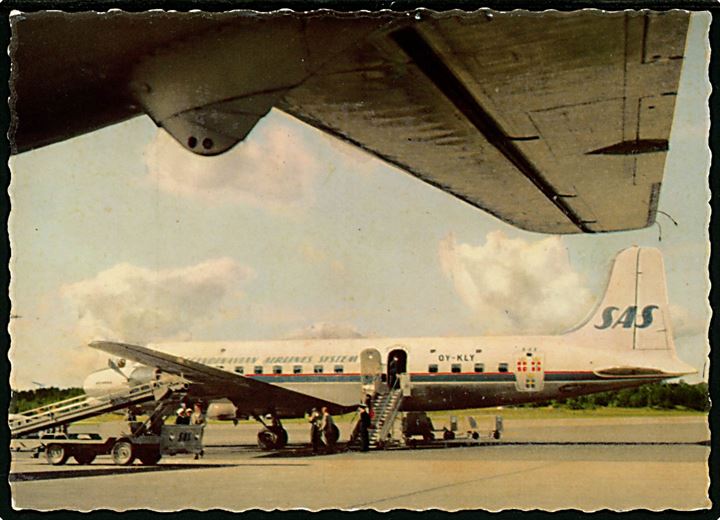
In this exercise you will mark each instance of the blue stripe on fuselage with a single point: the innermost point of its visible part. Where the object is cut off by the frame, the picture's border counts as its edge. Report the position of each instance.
(486, 377)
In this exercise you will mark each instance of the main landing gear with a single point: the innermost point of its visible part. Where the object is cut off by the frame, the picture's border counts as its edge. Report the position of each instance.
(273, 436)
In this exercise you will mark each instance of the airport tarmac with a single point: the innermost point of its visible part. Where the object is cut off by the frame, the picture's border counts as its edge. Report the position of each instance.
(652, 463)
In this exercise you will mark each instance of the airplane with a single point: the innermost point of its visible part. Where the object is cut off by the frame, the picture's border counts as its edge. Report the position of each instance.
(625, 342)
(554, 122)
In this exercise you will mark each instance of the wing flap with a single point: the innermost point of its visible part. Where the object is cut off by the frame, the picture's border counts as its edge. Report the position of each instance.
(557, 87)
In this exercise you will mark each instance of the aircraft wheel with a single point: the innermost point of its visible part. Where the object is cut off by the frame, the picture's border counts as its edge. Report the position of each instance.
(84, 457)
(149, 457)
(56, 454)
(123, 453)
(267, 440)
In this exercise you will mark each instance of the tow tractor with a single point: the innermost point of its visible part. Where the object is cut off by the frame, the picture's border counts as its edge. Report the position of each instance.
(146, 440)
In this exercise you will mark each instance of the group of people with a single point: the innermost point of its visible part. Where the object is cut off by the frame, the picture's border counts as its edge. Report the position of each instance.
(324, 433)
(322, 427)
(185, 415)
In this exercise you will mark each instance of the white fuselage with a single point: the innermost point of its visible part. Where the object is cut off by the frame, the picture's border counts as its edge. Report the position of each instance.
(442, 373)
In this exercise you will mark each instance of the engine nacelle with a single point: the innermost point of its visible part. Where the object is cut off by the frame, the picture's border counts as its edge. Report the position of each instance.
(110, 381)
(222, 410)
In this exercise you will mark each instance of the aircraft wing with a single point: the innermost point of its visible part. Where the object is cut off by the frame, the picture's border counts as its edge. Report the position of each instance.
(250, 395)
(553, 122)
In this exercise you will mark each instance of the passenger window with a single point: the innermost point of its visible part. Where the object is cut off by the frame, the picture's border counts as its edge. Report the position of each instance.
(318, 369)
(239, 370)
(258, 369)
(338, 369)
(479, 368)
(433, 369)
(277, 369)
(455, 368)
(503, 367)
(297, 369)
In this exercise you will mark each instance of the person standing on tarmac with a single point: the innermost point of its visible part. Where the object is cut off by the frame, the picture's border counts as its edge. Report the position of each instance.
(181, 414)
(315, 432)
(197, 416)
(329, 429)
(365, 422)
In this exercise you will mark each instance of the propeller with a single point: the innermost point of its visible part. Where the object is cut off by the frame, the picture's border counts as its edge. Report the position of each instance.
(114, 366)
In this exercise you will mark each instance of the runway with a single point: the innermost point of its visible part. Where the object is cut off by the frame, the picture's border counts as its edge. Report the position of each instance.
(589, 464)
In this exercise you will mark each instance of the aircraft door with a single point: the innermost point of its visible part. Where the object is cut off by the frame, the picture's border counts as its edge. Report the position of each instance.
(370, 370)
(529, 371)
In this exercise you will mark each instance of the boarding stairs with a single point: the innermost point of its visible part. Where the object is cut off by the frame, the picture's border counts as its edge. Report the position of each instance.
(386, 407)
(83, 407)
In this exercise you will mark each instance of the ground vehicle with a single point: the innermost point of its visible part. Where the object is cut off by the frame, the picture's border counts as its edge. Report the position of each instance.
(149, 448)
(419, 424)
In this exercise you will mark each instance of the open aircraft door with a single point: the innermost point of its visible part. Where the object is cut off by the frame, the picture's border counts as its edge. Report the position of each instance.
(370, 370)
(529, 371)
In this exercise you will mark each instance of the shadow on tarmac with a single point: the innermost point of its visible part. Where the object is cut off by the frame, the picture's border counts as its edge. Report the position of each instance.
(306, 451)
(100, 471)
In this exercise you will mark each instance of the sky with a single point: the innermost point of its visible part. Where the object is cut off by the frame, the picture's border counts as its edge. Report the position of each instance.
(121, 234)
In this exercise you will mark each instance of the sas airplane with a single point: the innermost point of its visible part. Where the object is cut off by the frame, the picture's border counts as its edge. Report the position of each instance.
(626, 341)
(553, 122)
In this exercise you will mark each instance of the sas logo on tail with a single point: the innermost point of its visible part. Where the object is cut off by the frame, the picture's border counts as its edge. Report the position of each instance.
(628, 318)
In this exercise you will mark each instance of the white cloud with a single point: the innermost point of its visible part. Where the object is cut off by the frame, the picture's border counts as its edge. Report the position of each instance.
(517, 286)
(137, 304)
(271, 169)
(325, 331)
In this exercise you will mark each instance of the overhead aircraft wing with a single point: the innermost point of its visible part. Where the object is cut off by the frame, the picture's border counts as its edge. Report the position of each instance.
(553, 122)
(250, 395)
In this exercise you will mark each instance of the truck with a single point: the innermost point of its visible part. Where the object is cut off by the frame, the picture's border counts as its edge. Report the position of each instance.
(147, 447)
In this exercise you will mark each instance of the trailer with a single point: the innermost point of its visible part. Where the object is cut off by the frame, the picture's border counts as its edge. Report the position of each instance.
(419, 424)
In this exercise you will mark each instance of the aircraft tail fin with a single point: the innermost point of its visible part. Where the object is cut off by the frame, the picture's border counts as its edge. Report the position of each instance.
(634, 312)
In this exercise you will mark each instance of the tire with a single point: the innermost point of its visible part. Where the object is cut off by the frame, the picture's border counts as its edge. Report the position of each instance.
(84, 457)
(123, 453)
(496, 434)
(475, 435)
(267, 440)
(149, 457)
(57, 454)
